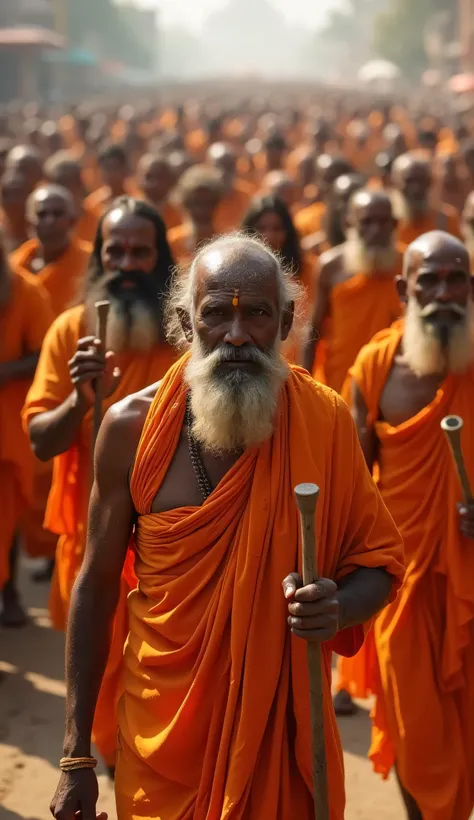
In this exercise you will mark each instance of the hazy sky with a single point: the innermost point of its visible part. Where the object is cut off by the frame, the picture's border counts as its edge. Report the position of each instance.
(192, 13)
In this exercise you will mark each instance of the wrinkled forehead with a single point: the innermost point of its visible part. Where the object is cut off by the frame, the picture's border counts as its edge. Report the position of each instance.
(120, 225)
(253, 272)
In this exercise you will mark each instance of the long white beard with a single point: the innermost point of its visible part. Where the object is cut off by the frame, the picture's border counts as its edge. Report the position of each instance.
(358, 258)
(235, 411)
(423, 351)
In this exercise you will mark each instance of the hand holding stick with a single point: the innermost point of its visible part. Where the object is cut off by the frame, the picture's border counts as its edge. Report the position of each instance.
(452, 426)
(102, 312)
(306, 499)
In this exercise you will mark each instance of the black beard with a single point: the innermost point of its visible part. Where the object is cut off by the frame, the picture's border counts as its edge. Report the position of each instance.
(141, 288)
(442, 328)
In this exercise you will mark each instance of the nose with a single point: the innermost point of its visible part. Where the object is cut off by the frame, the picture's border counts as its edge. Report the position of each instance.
(236, 333)
(127, 262)
(442, 291)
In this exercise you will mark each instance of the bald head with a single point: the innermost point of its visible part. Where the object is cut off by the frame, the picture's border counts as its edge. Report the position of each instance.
(223, 158)
(328, 169)
(412, 177)
(234, 308)
(371, 232)
(62, 169)
(155, 177)
(27, 161)
(438, 287)
(51, 211)
(281, 185)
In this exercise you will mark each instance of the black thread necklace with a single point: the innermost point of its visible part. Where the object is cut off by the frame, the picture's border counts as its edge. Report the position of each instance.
(197, 462)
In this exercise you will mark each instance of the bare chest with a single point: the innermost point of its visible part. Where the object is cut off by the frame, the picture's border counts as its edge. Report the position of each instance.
(405, 395)
(180, 487)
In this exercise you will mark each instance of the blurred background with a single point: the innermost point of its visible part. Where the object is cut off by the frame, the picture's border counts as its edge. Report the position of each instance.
(62, 50)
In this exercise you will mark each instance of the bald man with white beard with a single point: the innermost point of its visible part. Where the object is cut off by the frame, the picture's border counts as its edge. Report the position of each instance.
(402, 385)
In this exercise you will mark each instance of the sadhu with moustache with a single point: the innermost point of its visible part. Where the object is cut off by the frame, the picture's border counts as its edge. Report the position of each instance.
(401, 387)
(214, 720)
(131, 267)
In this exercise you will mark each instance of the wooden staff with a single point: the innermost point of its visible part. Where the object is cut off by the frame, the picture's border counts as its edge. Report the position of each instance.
(102, 312)
(306, 499)
(452, 426)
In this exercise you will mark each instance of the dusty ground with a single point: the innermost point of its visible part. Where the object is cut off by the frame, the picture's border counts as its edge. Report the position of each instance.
(31, 728)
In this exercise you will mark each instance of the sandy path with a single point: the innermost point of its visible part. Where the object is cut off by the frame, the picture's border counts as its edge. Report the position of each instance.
(32, 719)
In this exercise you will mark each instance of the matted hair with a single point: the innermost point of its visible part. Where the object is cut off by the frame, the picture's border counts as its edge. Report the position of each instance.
(181, 295)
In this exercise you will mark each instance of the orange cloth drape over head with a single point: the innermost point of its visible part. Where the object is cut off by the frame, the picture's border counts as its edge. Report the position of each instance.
(61, 278)
(360, 307)
(215, 719)
(423, 715)
(24, 320)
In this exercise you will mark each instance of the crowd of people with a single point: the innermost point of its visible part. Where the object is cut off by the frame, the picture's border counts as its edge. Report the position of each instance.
(262, 257)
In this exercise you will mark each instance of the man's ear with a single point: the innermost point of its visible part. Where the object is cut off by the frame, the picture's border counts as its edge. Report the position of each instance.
(402, 288)
(185, 321)
(287, 321)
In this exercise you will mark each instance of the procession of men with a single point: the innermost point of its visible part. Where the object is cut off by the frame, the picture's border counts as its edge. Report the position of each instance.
(203, 304)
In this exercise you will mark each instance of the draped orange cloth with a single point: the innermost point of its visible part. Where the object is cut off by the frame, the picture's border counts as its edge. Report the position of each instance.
(446, 218)
(424, 640)
(99, 200)
(232, 208)
(214, 721)
(86, 226)
(360, 307)
(24, 320)
(61, 278)
(310, 219)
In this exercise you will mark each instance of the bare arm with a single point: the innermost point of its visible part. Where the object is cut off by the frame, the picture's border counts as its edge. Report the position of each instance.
(365, 431)
(320, 313)
(94, 599)
(362, 594)
(20, 369)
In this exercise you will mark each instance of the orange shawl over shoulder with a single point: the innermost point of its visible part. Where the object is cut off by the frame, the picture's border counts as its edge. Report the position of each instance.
(360, 307)
(215, 719)
(62, 278)
(425, 639)
(24, 320)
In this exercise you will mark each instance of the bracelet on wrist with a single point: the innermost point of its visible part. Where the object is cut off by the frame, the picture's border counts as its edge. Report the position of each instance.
(72, 764)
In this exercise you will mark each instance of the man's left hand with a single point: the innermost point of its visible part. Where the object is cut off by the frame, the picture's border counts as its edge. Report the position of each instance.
(466, 517)
(314, 609)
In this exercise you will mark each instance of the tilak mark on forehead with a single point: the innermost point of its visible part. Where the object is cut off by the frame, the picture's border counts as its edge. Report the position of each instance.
(235, 300)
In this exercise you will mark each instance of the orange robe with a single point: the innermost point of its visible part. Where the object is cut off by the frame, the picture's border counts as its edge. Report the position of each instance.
(86, 226)
(445, 219)
(66, 513)
(360, 307)
(232, 208)
(98, 202)
(171, 215)
(24, 320)
(310, 219)
(425, 640)
(61, 278)
(214, 721)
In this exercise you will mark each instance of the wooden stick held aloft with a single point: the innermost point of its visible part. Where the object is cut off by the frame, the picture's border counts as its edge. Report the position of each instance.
(102, 313)
(306, 499)
(452, 426)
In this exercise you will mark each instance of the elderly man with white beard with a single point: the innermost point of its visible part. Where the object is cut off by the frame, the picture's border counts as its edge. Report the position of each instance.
(356, 294)
(403, 384)
(199, 470)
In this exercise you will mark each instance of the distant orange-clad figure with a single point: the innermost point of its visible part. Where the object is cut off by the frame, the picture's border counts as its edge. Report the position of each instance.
(356, 288)
(208, 489)
(403, 384)
(14, 193)
(412, 178)
(155, 182)
(134, 256)
(25, 315)
(114, 168)
(55, 255)
(198, 192)
(63, 169)
(328, 168)
(237, 192)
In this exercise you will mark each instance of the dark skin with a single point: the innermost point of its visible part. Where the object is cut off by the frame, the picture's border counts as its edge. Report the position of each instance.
(155, 178)
(342, 191)
(439, 271)
(14, 193)
(315, 612)
(52, 217)
(412, 177)
(371, 214)
(129, 243)
(200, 204)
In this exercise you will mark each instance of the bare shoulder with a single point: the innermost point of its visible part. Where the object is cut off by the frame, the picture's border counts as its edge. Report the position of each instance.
(122, 427)
(331, 262)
